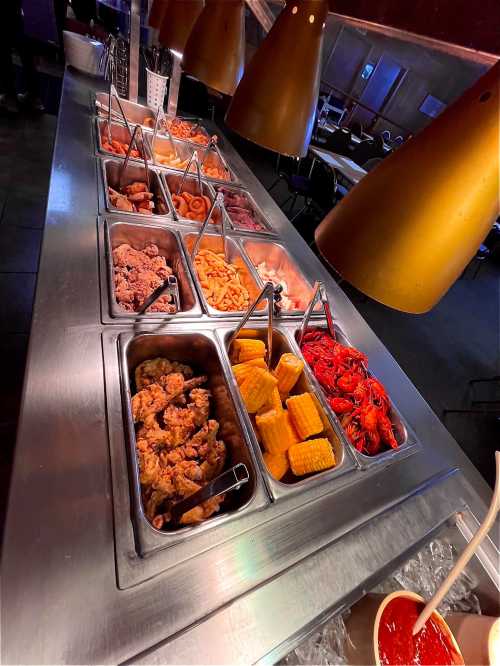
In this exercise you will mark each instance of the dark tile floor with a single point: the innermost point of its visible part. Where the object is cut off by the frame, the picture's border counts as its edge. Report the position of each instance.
(26, 144)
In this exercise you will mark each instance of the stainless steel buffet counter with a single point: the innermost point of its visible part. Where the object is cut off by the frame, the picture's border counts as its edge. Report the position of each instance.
(80, 582)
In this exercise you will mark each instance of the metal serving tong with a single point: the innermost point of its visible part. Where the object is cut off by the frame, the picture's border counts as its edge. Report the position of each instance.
(212, 145)
(321, 294)
(194, 158)
(218, 201)
(160, 116)
(273, 294)
(169, 286)
(133, 141)
(232, 479)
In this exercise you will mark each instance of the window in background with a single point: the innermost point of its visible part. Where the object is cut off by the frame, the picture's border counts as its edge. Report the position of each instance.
(367, 71)
(432, 107)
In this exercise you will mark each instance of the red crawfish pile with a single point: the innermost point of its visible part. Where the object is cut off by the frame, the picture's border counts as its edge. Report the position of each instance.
(360, 401)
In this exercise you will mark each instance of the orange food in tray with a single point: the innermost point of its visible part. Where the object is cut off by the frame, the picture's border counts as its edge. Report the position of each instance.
(218, 172)
(192, 207)
(220, 282)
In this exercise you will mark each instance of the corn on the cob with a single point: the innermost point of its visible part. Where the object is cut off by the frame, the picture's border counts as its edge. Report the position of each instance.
(272, 429)
(313, 455)
(287, 372)
(242, 370)
(293, 438)
(274, 402)
(277, 465)
(246, 350)
(256, 389)
(304, 415)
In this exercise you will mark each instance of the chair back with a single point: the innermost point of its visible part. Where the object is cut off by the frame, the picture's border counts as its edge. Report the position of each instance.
(324, 185)
(339, 142)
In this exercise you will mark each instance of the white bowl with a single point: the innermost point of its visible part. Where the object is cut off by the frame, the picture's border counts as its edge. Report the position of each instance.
(82, 53)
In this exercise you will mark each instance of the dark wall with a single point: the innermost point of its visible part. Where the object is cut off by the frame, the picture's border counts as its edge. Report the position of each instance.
(424, 72)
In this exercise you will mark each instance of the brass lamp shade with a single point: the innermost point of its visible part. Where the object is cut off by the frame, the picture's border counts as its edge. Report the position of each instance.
(177, 23)
(276, 100)
(215, 50)
(156, 13)
(405, 233)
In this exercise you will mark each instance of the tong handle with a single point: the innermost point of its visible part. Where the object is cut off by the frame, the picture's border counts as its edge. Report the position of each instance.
(321, 294)
(232, 479)
(133, 140)
(267, 292)
(170, 284)
(218, 201)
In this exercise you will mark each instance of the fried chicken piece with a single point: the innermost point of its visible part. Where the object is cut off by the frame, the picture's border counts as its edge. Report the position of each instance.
(179, 423)
(214, 461)
(202, 511)
(150, 400)
(136, 186)
(150, 371)
(149, 465)
(199, 405)
(153, 435)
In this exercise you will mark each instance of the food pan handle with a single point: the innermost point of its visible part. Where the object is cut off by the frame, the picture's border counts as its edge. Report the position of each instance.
(232, 479)
(321, 294)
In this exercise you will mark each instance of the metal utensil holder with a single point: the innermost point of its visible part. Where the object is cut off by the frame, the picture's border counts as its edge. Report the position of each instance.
(321, 294)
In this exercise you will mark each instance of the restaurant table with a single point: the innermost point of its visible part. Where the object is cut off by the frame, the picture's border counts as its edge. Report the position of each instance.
(244, 587)
(349, 169)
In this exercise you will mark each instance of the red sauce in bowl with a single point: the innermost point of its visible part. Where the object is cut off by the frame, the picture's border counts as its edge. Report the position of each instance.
(397, 645)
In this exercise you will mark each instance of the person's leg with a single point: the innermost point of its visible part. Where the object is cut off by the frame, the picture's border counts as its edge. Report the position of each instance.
(8, 100)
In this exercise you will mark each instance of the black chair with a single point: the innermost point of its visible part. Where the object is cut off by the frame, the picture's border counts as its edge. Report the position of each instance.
(357, 129)
(339, 142)
(368, 150)
(322, 191)
(297, 184)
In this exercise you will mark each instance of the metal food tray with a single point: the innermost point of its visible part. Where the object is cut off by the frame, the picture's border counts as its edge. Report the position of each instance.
(119, 132)
(277, 258)
(200, 350)
(171, 181)
(290, 483)
(215, 158)
(163, 146)
(134, 113)
(138, 236)
(236, 257)
(194, 121)
(406, 438)
(134, 171)
(266, 226)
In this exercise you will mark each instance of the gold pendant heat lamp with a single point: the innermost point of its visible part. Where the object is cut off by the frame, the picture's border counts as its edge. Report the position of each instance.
(157, 12)
(406, 232)
(275, 102)
(215, 50)
(177, 23)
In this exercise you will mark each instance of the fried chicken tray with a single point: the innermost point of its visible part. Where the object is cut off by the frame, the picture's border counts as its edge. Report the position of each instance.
(183, 431)
(139, 258)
